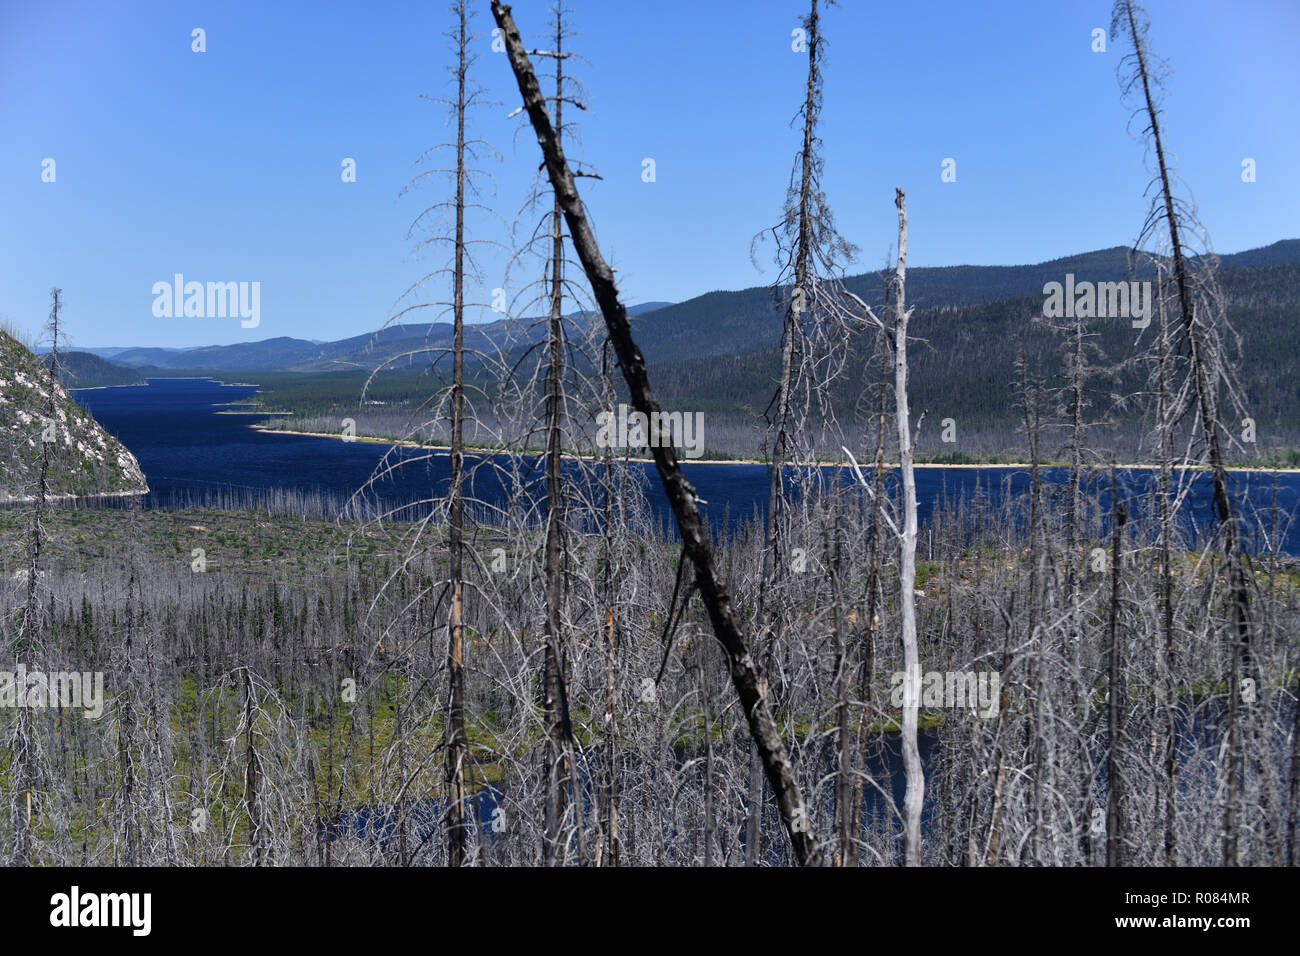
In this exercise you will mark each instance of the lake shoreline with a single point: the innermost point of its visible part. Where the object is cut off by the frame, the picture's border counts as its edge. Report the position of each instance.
(866, 466)
(97, 388)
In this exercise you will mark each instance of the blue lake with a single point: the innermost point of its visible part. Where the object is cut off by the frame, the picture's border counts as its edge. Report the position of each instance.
(190, 453)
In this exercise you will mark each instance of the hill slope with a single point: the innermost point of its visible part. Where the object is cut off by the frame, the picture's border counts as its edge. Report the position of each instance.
(734, 323)
(85, 370)
(85, 460)
(964, 366)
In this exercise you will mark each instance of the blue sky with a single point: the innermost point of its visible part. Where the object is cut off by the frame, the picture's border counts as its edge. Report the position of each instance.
(225, 165)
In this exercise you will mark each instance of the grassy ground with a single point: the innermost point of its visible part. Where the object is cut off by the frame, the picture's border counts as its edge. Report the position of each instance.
(234, 542)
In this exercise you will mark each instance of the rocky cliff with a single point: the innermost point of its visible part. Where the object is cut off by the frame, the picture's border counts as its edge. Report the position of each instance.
(84, 459)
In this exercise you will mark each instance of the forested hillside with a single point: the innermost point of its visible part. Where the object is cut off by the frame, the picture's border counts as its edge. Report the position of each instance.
(86, 370)
(728, 323)
(965, 367)
(717, 354)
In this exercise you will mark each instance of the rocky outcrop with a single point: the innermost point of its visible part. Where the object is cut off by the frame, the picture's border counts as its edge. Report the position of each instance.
(85, 460)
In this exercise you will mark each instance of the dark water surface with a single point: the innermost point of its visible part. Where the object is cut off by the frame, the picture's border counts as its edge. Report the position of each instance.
(188, 451)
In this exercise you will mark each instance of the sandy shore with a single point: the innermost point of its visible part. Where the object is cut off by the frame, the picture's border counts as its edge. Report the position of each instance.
(370, 439)
(866, 466)
(98, 388)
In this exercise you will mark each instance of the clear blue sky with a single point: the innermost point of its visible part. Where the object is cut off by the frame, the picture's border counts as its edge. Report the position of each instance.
(225, 165)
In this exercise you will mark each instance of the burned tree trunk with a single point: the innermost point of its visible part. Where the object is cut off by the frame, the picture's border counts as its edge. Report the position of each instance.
(914, 794)
(25, 743)
(1129, 19)
(680, 493)
(559, 735)
(1164, 426)
(867, 669)
(608, 851)
(1114, 683)
(457, 740)
(774, 565)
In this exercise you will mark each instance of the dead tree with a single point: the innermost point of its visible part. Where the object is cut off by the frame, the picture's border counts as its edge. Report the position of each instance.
(615, 539)
(1115, 693)
(1200, 310)
(914, 793)
(448, 413)
(871, 623)
(1172, 397)
(457, 742)
(25, 745)
(31, 607)
(559, 732)
(680, 493)
(810, 255)
(562, 376)
(1082, 358)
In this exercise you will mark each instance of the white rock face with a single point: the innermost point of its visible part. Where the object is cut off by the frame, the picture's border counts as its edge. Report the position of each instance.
(84, 460)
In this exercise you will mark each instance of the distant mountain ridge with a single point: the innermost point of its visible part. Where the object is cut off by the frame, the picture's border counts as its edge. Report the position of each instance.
(721, 323)
(285, 353)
